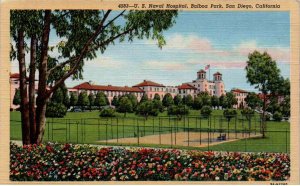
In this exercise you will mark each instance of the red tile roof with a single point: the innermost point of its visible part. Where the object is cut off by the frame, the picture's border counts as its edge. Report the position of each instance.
(15, 75)
(201, 71)
(88, 86)
(239, 90)
(217, 73)
(146, 83)
(186, 86)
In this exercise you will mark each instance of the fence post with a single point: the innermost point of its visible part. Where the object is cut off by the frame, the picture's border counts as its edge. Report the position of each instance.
(200, 132)
(208, 131)
(77, 130)
(286, 141)
(123, 129)
(171, 137)
(98, 129)
(66, 130)
(117, 130)
(245, 141)
(188, 133)
(153, 125)
(138, 134)
(106, 132)
(159, 128)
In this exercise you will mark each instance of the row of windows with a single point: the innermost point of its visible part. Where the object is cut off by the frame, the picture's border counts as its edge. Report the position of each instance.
(114, 93)
(161, 89)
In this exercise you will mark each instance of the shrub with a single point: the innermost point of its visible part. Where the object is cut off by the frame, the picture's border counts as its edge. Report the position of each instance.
(229, 113)
(108, 112)
(277, 116)
(206, 111)
(248, 113)
(56, 110)
(178, 111)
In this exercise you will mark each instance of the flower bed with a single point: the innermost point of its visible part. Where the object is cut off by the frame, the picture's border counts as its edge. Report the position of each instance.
(56, 162)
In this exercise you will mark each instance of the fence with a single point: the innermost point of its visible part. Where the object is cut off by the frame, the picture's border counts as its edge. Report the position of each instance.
(212, 133)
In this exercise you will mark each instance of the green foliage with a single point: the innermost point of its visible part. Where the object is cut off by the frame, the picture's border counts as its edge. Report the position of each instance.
(229, 113)
(57, 96)
(73, 99)
(277, 116)
(197, 103)
(147, 108)
(206, 98)
(247, 113)
(231, 99)
(177, 100)
(125, 105)
(286, 107)
(206, 111)
(188, 100)
(156, 97)
(167, 100)
(178, 111)
(56, 110)
(115, 101)
(144, 98)
(83, 100)
(253, 101)
(108, 112)
(215, 101)
(100, 100)
(17, 97)
(157, 104)
(133, 100)
(91, 100)
(223, 101)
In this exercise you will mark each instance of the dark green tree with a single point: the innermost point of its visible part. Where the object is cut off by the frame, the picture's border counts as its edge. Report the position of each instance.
(156, 97)
(147, 109)
(263, 73)
(197, 103)
(144, 98)
(177, 100)
(115, 101)
(253, 101)
(157, 104)
(91, 100)
(167, 100)
(215, 101)
(17, 97)
(133, 100)
(73, 99)
(231, 99)
(188, 100)
(205, 98)
(206, 111)
(125, 105)
(178, 111)
(82, 33)
(83, 100)
(100, 100)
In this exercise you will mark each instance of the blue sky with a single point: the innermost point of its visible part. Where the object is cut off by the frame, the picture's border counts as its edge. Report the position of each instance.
(221, 39)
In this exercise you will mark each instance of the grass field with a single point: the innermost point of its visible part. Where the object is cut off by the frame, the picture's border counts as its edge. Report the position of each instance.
(88, 127)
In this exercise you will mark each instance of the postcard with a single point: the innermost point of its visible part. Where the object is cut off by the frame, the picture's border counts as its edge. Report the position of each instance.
(149, 92)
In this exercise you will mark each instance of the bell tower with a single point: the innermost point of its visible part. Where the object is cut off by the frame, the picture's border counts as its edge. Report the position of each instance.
(201, 74)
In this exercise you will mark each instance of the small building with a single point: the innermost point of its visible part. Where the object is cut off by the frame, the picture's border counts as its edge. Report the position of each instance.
(151, 88)
(187, 89)
(240, 96)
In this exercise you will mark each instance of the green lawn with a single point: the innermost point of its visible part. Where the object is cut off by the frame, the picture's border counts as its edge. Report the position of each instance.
(88, 127)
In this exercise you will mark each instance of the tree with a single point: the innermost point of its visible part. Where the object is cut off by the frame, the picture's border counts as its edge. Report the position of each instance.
(125, 105)
(115, 101)
(215, 101)
(100, 100)
(156, 97)
(167, 100)
(56, 107)
(229, 113)
(108, 112)
(188, 100)
(91, 100)
(73, 99)
(231, 99)
(178, 111)
(253, 101)
(262, 72)
(247, 113)
(206, 111)
(223, 101)
(197, 103)
(17, 97)
(83, 100)
(83, 34)
(177, 100)
(133, 100)
(206, 98)
(157, 104)
(144, 98)
(147, 109)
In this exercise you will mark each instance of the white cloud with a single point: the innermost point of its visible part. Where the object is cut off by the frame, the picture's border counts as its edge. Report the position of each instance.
(105, 62)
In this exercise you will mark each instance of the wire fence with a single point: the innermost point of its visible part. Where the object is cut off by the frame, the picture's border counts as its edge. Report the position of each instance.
(236, 133)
